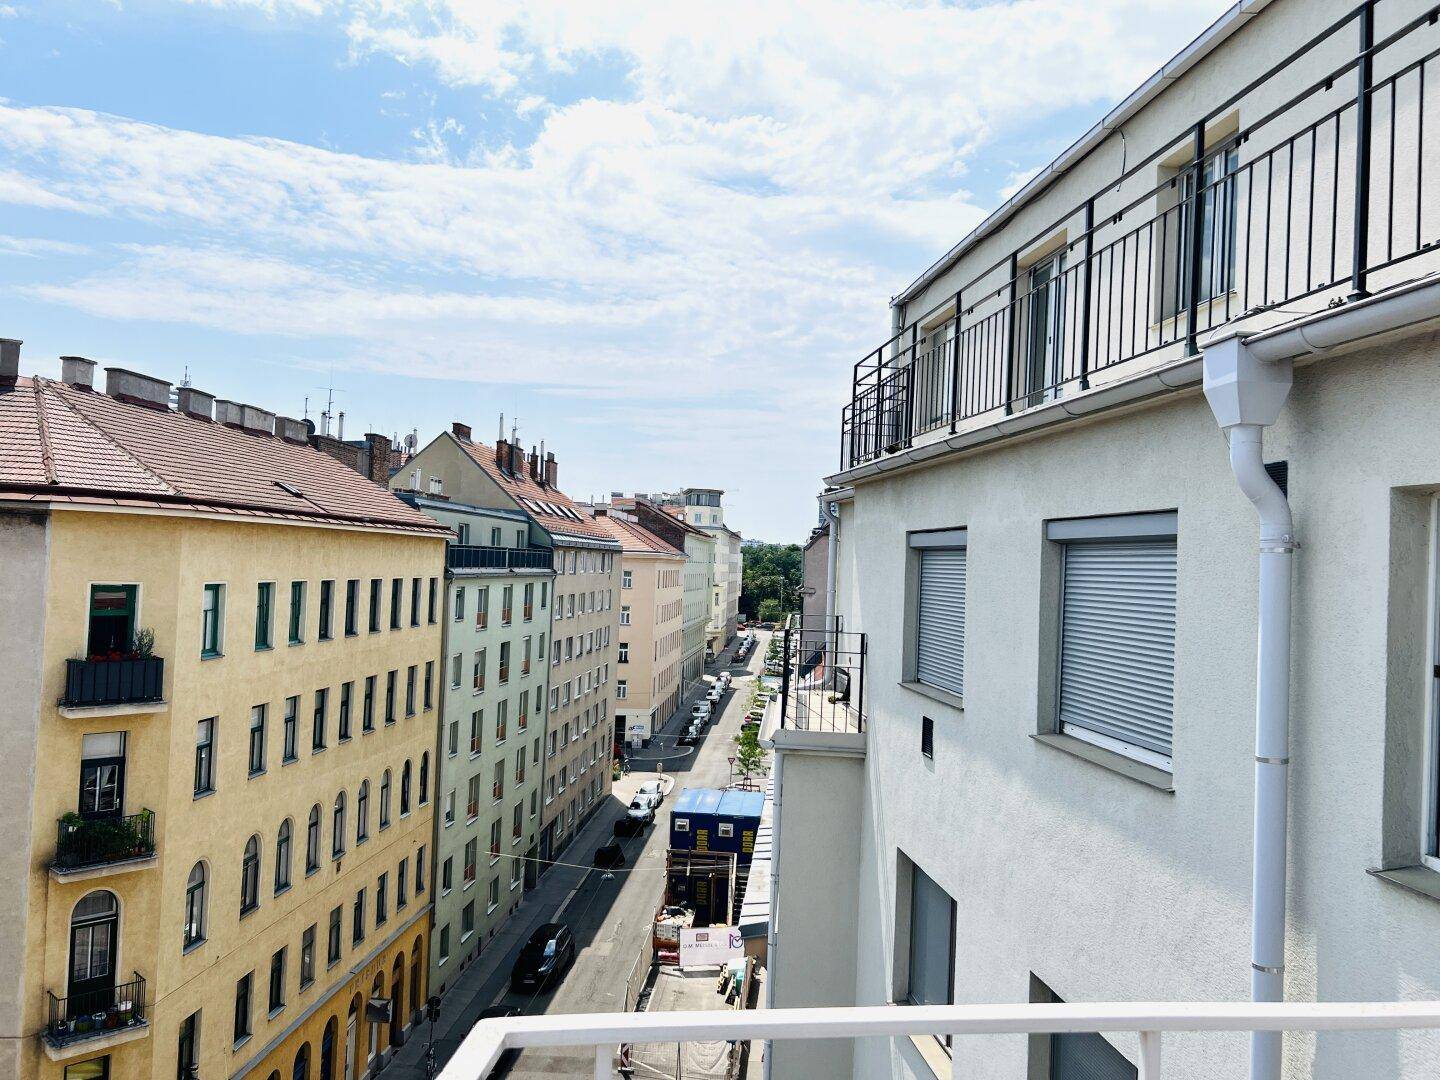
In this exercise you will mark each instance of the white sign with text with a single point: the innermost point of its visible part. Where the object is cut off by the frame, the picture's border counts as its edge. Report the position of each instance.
(710, 946)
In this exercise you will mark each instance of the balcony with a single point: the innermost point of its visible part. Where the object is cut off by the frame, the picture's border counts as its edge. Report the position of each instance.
(95, 1020)
(604, 1036)
(98, 847)
(471, 557)
(114, 687)
(1242, 230)
(822, 677)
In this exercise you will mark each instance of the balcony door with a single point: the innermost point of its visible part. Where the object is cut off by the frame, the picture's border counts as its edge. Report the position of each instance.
(102, 775)
(94, 939)
(112, 619)
(1045, 330)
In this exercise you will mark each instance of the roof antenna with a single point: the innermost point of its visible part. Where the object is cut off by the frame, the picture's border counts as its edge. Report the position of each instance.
(514, 429)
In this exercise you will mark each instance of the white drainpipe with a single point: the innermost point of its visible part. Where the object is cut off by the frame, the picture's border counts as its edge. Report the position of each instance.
(1246, 396)
(829, 509)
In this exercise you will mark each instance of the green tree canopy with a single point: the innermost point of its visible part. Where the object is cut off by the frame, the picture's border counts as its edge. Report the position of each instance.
(772, 575)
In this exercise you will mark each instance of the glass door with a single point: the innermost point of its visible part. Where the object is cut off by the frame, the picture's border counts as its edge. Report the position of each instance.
(93, 941)
(102, 775)
(112, 619)
(1046, 325)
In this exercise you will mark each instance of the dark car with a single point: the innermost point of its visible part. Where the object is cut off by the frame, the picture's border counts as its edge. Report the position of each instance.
(509, 1057)
(628, 826)
(550, 950)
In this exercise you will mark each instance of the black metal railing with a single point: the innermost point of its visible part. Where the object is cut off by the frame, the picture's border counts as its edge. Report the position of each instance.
(469, 557)
(114, 682)
(83, 843)
(92, 1013)
(822, 675)
(1326, 187)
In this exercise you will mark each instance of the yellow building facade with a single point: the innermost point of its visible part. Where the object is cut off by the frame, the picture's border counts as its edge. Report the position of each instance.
(226, 724)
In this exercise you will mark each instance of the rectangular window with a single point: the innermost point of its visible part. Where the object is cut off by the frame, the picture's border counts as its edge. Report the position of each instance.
(289, 751)
(529, 609)
(467, 920)
(257, 740)
(264, 614)
(332, 939)
(932, 942)
(352, 607)
(457, 665)
(415, 601)
(444, 943)
(1117, 633)
(212, 619)
(459, 603)
(429, 690)
(507, 600)
(390, 677)
(402, 883)
(307, 957)
(376, 584)
(277, 980)
(297, 612)
(494, 894)
(420, 870)
(482, 607)
(319, 720)
(624, 614)
(447, 875)
(205, 756)
(357, 919)
(479, 673)
(382, 899)
(431, 615)
(367, 714)
(187, 1048)
(453, 744)
(1430, 849)
(495, 536)
(504, 662)
(327, 610)
(397, 600)
(346, 693)
(477, 727)
(627, 579)
(242, 1006)
(940, 609)
(411, 675)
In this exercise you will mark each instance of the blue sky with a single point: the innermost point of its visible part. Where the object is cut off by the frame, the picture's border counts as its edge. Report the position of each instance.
(660, 235)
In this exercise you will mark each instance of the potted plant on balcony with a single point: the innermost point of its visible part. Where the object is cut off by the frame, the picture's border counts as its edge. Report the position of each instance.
(126, 1014)
(143, 643)
(83, 1024)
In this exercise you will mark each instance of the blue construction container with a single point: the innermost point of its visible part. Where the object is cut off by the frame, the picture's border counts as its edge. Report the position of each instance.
(709, 819)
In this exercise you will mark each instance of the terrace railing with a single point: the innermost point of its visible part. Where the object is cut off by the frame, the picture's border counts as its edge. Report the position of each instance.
(471, 557)
(822, 675)
(1330, 184)
(84, 843)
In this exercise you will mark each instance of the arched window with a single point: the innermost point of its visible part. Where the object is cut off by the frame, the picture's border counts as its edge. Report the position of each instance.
(195, 889)
(301, 1071)
(337, 824)
(385, 800)
(94, 929)
(327, 1049)
(425, 778)
(312, 840)
(250, 876)
(282, 856)
(362, 812)
(405, 789)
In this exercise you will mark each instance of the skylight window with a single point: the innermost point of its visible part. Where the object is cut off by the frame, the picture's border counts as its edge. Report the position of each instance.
(289, 489)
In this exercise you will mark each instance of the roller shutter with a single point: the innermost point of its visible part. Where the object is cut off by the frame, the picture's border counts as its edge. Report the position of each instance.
(940, 627)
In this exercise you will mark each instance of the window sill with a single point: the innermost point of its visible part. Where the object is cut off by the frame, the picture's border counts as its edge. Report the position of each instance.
(1419, 880)
(934, 1054)
(241, 1041)
(203, 794)
(264, 648)
(276, 1011)
(253, 775)
(934, 693)
(188, 949)
(1129, 768)
(281, 890)
(212, 656)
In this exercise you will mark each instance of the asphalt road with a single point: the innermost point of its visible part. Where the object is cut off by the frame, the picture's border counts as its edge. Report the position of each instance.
(611, 918)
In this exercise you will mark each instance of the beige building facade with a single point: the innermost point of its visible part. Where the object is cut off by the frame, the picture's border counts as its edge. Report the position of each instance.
(225, 748)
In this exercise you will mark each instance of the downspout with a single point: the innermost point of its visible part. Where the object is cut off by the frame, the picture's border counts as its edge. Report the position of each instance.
(832, 518)
(1246, 395)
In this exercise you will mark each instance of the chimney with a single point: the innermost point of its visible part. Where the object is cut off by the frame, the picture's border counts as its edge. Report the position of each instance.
(229, 413)
(9, 361)
(256, 420)
(78, 372)
(532, 465)
(196, 403)
(292, 430)
(379, 458)
(552, 471)
(137, 389)
(460, 431)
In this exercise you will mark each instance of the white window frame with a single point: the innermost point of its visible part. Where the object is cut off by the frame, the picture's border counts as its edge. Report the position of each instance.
(1429, 826)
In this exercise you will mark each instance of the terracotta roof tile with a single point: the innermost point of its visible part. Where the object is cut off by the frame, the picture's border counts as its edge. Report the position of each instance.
(77, 446)
(536, 499)
(635, 538)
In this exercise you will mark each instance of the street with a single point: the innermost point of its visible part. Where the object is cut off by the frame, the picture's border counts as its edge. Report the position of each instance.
(610, 915)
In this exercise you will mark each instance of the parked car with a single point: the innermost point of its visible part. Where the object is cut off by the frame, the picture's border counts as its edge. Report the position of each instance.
(655, 788)
(649, 798)
(628, 826)
(691, 735)
(713, 694)
(609, 856)
(700, 710)
(509, 1057)
(641, 811)
(544, 958)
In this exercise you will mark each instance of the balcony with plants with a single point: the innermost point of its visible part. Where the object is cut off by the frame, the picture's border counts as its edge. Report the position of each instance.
(85, 1021)
(88, 847)
(121, 679)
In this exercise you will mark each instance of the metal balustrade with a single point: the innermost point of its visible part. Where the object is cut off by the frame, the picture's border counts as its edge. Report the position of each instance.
(472, 557)
(1301, 208)
(1151, 1021)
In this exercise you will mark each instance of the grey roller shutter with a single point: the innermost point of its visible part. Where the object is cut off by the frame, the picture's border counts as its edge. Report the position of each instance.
(940, 626)
(1117, 644)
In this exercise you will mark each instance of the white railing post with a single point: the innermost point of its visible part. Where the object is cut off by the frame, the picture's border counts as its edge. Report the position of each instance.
(1149, 1055)
(604, 1062)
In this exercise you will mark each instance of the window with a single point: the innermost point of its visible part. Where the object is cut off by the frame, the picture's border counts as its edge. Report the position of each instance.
(1117, 633)
(621, 690)
(357, 919)
(307, 957)
(495, 536)
(424, 777)
(504, 662)
(250, 876)
(337, 827)
(382, 899)
(624, 657)
(362, 813)
(312, 841)
(479, 671)
(346, 692)
(1218, 204)
(195, 898)
(624, 614)
(205, 757)
(397, 599)
(429, 689)
(415, 601)
(410, 676)
(327, 610)
(482, 607)
(472, 800)
(290, 734)
(283, 844)
(467, 920)
(494, 894)
(405, 789)
(402, 883)
(452, 745)
(367, 715)
(390, 677)
(430, 602)
(447, 875)
(385, 799)
(376, 585)
(448, 811)
(332, 937)
(529, 602)
(93, 1069)
(352, 607)
(507, 601)
(257, 740)
(277, 980)
(318, 723)
(932, 942)
(242, 1007)
(264, 614)
(459, 603)
(444, 947)
(297, 612)
(627, 579)
(187, 1048)
(939, 650)
(212, 618)
(1430, 849)
(457, 664)
(471, 851)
